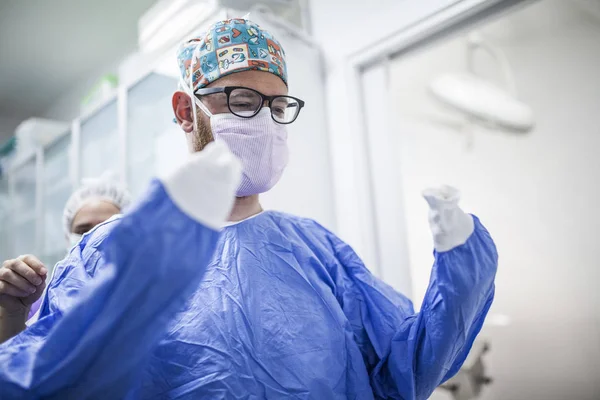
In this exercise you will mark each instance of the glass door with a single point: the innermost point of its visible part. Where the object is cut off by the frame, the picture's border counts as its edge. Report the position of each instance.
(99, 142)
(56, 191)
(23, 208)
(149, 117)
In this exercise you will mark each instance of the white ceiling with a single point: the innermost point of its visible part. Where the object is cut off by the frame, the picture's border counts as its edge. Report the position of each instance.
(49, 47)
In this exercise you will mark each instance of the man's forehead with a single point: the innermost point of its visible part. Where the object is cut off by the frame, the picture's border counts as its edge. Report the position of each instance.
(94, 207)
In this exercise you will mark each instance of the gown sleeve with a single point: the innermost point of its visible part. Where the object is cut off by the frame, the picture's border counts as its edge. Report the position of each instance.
(409, 354)
(105, 310)
(94, 334)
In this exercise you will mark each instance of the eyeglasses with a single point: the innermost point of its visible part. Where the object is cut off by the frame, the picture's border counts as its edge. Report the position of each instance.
(246, 103)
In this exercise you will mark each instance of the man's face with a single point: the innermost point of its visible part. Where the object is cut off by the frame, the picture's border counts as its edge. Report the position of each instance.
(200, 134)
(92, 213)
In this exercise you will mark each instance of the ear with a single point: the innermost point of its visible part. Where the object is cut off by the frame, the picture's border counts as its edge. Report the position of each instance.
(182, 107)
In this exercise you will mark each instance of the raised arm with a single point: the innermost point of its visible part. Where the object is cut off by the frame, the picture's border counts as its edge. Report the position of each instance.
(154, 258)
(409, 354)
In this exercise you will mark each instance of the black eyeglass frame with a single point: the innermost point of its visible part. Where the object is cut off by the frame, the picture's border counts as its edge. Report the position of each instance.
(229, 89)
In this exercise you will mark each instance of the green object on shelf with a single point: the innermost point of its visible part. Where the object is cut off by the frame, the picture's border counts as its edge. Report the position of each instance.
(8, 147)
(106, 84)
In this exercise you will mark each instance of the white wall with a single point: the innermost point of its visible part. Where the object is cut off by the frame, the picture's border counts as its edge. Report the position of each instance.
(342, 28)
(305, 188)
(537, 194)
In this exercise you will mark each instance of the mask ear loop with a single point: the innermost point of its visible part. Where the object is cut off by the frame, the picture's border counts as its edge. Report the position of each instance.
(190, 91)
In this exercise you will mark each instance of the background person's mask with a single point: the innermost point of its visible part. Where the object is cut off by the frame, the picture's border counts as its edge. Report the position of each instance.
(261, 145)
(74, 238)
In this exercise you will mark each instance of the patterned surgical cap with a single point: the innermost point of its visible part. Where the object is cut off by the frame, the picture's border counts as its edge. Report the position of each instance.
(230, 46)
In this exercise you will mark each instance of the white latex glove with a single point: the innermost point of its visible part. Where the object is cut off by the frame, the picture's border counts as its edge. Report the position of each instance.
(204, 186)
(451, 226)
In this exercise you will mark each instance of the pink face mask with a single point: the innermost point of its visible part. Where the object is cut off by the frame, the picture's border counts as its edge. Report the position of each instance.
(261, 145)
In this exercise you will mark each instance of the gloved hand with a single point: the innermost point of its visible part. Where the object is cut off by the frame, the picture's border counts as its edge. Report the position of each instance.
(214, 170)
(451, 226)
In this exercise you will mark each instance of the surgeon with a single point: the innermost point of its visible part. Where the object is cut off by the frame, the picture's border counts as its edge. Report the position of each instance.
(274, 306)
(97, 200)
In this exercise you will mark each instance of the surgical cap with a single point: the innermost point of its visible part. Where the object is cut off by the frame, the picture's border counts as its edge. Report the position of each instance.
(230, 46)
(104, 188)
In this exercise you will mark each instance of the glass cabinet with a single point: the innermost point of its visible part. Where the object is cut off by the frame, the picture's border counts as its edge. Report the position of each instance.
(34, 191)
(56, 190)
(99, 142)
(149, 115)
(23, 210)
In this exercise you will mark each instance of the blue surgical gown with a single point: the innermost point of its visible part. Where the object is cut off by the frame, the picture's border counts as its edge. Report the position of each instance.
(157, 306)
